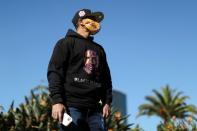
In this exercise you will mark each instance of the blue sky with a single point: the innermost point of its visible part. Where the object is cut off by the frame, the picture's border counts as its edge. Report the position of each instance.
(149, 43)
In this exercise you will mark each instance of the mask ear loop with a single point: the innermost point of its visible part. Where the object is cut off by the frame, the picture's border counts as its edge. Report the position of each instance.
(83, 25)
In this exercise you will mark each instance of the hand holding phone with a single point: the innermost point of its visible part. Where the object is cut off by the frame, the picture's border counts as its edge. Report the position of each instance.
(66, 119)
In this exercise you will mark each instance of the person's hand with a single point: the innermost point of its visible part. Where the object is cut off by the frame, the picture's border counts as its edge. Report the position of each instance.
(106, 111)
(58, 111)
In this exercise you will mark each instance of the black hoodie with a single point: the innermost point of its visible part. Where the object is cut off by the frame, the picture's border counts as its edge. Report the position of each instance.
(78, 73)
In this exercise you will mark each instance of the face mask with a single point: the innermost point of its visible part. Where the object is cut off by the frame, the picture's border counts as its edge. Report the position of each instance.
(91, 25)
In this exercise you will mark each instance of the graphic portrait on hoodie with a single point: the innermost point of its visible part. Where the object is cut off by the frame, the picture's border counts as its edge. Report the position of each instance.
(91, 62)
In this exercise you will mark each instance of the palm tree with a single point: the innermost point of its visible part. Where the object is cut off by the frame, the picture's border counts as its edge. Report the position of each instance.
(32, 115)
(35, 113)
(167, 104)
(117, 122)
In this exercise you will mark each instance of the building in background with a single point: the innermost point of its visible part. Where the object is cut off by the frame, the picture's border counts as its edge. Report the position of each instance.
(119, 102)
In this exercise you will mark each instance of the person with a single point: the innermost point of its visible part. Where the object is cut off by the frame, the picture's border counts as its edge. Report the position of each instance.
(79, 76)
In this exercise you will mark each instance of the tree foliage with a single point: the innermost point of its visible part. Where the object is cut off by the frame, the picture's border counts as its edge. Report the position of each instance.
(167, 104)
(35, 115)
(117, 122)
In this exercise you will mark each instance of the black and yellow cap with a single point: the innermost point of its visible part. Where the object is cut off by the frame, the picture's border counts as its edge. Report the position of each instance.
(87, 13)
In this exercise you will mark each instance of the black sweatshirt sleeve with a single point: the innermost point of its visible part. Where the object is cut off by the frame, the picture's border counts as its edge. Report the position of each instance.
(56, 69)
(106, 82)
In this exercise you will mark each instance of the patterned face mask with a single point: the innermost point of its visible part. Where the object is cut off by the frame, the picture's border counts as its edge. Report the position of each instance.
(91, 25)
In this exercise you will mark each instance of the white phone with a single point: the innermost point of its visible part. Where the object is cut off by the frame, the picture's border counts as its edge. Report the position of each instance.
(66, 119)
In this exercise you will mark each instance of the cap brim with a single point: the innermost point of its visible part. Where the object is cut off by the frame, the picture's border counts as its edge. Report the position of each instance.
(99, 16)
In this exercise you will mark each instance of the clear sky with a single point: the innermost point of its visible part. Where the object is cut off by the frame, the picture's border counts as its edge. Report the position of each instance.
(149, 43)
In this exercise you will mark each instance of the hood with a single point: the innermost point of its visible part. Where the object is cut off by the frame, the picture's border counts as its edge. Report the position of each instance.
(72, 33)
